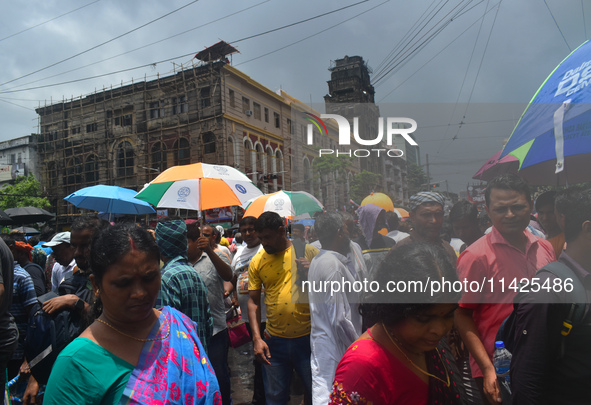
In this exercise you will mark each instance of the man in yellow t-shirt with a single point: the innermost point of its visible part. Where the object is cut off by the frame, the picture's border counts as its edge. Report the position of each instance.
(285, 344)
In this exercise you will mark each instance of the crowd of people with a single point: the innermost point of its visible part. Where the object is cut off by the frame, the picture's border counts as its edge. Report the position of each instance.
(152, 304)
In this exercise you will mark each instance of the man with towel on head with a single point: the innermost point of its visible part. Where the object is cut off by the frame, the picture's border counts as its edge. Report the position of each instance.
(182, 287)
(426, 214)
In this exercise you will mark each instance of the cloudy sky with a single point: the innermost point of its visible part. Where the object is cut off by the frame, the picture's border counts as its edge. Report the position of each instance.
(464, 69)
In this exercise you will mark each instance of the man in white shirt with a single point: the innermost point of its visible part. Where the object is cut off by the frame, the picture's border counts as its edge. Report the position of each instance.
(335, 318)
(64, 257)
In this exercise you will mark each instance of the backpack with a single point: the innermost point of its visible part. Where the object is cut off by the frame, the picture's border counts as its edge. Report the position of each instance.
(47, 336)
(576, 313)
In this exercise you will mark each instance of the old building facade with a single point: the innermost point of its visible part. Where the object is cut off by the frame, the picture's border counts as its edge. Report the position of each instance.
(209, 112)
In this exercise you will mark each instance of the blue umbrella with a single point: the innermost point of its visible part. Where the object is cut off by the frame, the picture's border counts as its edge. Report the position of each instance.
(110, 199)
(552, 139)
(306, 221)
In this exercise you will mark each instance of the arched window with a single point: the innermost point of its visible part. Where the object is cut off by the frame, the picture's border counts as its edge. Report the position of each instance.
(125, 159)
(158, 157)
(182, 152)
(52, 175)
(208, 141)
(91, 170)
(270, 161)
(73, 174)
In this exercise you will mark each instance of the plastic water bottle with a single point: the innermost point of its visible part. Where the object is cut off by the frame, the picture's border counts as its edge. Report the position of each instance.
(502, 363)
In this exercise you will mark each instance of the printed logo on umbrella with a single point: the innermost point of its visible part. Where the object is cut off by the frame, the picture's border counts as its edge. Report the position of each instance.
(240, 188)
(223, 171)
(183, 193)
(279, 204)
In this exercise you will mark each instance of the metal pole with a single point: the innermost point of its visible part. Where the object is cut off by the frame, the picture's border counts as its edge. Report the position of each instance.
(428, 176)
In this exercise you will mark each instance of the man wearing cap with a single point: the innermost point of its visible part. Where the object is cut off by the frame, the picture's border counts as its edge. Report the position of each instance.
(64, 257)
(182, 287)
(426, 214)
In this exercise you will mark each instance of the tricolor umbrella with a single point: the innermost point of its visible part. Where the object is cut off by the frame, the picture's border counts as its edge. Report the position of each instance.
(288, 204)
(199, 186)
(111, 200)
(552, 139)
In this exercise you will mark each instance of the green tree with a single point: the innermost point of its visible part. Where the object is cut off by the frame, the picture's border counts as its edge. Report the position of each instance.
(416, 178)
(330, 164)
(363, 184)
(25, 192)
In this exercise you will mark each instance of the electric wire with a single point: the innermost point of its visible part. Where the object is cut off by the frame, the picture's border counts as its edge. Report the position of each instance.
(15, 90)
(477, 73)
(299, 22)
(557, 26)
(397, 62)
(415, 27)
(101, 44)
(434, 56)
(144, 46)
(50, 20)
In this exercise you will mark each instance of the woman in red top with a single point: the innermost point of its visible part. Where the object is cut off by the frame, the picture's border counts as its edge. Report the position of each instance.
(399, 360)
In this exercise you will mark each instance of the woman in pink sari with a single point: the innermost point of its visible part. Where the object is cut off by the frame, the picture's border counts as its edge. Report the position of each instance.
(399, 360)
(132, 353)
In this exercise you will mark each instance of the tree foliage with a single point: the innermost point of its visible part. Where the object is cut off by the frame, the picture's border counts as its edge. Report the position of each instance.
(25, 192)
(330, 164)
(363, 184)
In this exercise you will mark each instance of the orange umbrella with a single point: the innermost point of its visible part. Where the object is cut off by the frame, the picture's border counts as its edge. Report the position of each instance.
(379, 199)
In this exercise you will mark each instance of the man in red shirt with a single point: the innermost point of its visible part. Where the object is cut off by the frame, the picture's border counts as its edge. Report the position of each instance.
(500, 259)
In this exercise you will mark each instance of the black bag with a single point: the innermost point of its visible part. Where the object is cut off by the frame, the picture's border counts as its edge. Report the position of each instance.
(47, 336)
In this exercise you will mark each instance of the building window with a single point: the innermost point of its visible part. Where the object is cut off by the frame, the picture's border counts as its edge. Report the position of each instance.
(156, 109)
(245, 104)
(266, 114)
(91, 174)
(92, 127)
(277, 120)
(75, 130)
(257, 110)
(205, 97)
(125, 159)
(291, 126)
(158, 155)
(180, 105)
(232, 98)
(52, 174)
(208, 140)
(73, 175)
(182, 155)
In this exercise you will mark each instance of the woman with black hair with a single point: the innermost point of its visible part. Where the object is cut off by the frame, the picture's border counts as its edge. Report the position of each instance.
(132, 353)
(399, 360)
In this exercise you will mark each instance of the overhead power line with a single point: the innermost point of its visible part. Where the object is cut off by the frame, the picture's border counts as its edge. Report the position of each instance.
(101, 44)
(50, 20)
(193, 53)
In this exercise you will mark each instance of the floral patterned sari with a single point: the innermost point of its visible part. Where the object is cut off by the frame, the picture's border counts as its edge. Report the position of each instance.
(174, 369)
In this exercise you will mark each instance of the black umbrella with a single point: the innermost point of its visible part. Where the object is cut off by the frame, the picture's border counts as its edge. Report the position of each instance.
(27, 230)
(28, 215)
(4, 218)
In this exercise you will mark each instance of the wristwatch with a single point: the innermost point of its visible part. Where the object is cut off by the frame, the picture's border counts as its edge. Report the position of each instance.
(79, 305)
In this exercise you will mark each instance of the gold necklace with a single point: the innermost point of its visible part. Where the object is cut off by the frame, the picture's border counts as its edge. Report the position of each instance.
(447, 384)
(135, 338)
